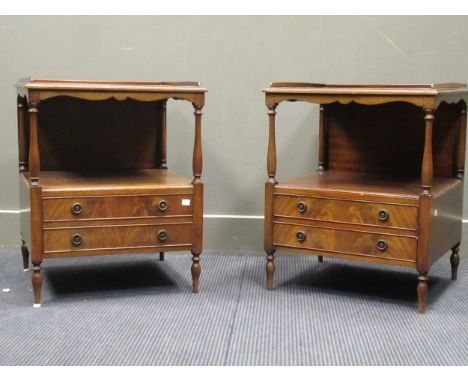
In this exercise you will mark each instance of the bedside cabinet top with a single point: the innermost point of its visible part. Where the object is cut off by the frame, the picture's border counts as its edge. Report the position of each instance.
(424, 95)
(43, 84)
(42, 89)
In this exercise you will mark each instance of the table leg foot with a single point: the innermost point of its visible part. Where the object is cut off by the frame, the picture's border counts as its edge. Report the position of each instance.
(270, 270)
(455, 261)
(196, 270)
(422, 291)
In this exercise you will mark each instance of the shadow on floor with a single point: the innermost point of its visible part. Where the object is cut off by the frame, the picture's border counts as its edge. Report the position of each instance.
(87, 278)
(392, 284)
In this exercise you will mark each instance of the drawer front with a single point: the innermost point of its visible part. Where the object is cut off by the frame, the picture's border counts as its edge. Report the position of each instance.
(89, 238)
(68, 209)
(345, 242)
(378, 214)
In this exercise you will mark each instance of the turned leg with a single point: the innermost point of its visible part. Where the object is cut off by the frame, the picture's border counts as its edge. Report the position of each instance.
(25, 253)
(455, 261)
(196, 270)
(320, 259)
(270, 270)
(37, 284)
(422, 291)
(161, 256)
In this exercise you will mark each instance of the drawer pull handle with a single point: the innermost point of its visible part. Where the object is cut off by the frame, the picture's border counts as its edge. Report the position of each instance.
(162, 235)
(301, 207)
(382, 245)
(76, 209)
(383, 215)
(76, 240)
(162, 205)
(301, 236)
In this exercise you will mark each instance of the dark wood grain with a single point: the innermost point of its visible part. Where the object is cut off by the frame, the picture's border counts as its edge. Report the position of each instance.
(388, 190)
(108, 236)
(455, 261)
(109, 207)
(323, 141)
(461, 143)
(343, 241)
(354, 212)
(95, 181)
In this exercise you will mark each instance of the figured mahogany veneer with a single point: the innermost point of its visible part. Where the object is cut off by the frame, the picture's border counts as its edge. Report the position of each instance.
(93, 172)
(338, 242)
(346, 211)
(59, 242)
(389, 185)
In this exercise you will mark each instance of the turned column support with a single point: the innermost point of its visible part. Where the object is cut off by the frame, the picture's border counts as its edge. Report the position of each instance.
(427, 171)
(25, 254)
(455, 261)
(22, 139)
(37, 283)
(323, 147)
(197, 162)
(163, 137)
(461, 143)
(271, 157)
(423, 287)
(270, 269)
(34, 157)
(196, 270)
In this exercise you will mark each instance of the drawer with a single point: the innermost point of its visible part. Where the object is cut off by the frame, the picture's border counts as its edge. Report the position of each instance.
(68, 209)
(345, 211)
(114, 237)
(345, 242)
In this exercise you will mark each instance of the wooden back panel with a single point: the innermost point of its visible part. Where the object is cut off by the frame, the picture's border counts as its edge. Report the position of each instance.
(75, 134)
(389, 139)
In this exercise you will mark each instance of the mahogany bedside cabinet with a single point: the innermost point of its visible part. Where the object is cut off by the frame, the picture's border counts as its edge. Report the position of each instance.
(93, 173)
(389, 185)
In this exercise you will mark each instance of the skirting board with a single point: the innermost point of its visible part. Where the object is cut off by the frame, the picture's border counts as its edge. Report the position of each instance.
(224, 233)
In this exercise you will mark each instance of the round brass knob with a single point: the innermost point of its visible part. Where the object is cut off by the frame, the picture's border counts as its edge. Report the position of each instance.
(383, 215)
(301, 207)
(301, 236)
(162, 205)
(76, 209)
(162, 235)
(76, 240)
(382, 245)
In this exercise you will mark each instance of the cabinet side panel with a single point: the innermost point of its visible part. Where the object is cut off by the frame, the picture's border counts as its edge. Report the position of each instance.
(446, 222)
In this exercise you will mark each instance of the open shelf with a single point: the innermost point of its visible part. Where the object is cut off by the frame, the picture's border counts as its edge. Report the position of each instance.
(55, 183)
(362, 184)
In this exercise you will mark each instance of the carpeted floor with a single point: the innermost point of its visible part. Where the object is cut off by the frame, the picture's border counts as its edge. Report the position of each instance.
(135, 310)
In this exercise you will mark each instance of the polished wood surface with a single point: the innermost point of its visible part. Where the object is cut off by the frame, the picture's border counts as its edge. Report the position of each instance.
(350, 185)
(144, 181)
(392, 128)
(120, 130)
(389, 183)
(44, 84)
(108, 236)
(344, 211)
(428, 96)
(111, 207)
(345, 242)
(93, 172)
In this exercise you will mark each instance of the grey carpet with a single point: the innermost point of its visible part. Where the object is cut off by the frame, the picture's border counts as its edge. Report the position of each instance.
(134, 310)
